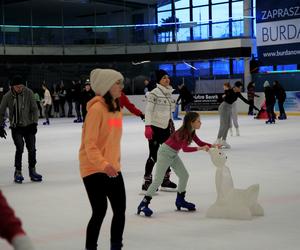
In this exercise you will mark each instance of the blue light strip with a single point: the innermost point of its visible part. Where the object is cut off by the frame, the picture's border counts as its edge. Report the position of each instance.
(283, 71)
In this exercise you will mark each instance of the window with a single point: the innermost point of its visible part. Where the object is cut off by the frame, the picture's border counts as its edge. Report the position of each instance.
(183, 70)
(287, 67)
(265, 69)
(220, 13)
(183, 32)
(182, 4)
(203, 68)
(237, 10)
(221, 67)
(200, 2)
(238, 66)
(164, 6)
(218, 1)
(168, 68)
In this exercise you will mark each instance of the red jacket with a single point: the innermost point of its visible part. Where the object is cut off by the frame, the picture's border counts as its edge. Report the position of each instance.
(10, 225)
(124, 102)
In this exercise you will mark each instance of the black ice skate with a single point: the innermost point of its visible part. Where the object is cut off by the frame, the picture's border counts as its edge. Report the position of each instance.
(147, 182)
(34, 176)
(182, 203)
(18, 177)
(168, 185)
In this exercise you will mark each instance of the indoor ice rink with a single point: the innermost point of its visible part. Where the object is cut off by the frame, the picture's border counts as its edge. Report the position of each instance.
(55, 212)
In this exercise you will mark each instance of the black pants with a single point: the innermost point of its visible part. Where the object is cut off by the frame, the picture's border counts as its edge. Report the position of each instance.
(251, 104)
(77, 109)
(281, 108)
(21, 136)
(159, 137)
(270, 111)
(99, 187)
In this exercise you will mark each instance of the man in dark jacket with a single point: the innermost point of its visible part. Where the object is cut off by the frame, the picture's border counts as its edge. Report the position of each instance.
(23, 118)
(280, 96)
(270, 102)
(185, 96)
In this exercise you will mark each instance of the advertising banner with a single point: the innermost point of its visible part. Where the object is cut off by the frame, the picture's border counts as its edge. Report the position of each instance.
(278, 31)
(206, 102)
(292, 102)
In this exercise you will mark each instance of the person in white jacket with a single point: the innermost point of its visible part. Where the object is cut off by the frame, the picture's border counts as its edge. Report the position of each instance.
(46, 103)
(159, 126)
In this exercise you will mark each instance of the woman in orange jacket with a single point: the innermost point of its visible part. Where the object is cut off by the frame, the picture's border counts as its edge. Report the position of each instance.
(99, 156)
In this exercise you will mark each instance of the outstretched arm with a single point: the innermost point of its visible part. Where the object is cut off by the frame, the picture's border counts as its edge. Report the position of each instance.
(124, 102)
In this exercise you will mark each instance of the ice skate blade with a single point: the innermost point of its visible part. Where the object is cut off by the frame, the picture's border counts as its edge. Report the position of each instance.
(165, 189)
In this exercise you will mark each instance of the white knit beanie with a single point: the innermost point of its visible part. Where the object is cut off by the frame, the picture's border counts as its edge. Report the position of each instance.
(103, 79)
(266, 84)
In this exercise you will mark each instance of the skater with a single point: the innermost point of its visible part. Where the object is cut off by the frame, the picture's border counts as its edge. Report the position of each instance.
(168, 155)
(23, 118)
(99, 157)
(186, 97)
(125, 102)
(47, 103)
(280, 96)
(270, 102)
(11, 227)
(225, 109)
(86, 96)
(159, 126)
(251, 95)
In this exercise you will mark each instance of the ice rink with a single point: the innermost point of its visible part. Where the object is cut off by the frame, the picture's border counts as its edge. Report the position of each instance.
(55, 212)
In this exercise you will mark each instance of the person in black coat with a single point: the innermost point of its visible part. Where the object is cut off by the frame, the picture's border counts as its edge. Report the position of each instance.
(280, 96)
(270, 102)
(185, 96)
(86, 95)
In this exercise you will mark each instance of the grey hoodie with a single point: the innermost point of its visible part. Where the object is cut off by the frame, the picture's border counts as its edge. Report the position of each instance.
(27, 107)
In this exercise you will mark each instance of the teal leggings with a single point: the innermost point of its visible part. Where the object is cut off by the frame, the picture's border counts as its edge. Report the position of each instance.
(168, 157)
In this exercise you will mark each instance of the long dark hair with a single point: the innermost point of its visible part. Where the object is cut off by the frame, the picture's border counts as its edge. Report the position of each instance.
(186, 132)
(110, 103)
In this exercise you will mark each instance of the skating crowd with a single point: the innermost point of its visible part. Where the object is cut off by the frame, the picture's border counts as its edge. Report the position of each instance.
(98, 104)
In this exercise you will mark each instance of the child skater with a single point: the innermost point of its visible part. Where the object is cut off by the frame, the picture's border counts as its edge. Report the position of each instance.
(168, 156)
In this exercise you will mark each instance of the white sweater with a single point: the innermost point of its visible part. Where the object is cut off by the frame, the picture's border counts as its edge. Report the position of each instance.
(47, 98)
(159, 107)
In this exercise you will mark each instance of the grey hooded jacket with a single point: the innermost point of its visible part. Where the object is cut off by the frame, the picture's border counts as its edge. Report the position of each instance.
(27, 107)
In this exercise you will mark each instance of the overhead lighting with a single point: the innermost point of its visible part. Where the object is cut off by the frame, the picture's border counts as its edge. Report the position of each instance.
(191, 66)
(141, 62)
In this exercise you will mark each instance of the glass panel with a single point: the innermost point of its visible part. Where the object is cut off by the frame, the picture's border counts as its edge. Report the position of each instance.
(164, 32)
(164, 5)
(182, 4)
(218, 1)
(237, 10)
(200, 2)
(265, 68)
(238, 66)
(200, 15)
(203, 68)
(220, 12)
(168, 68)
(287, 67)
(238, 28)
(221, 67)
(46, 17)
(183, 31)
(183, 70)
(220, 30)
(201, 32)
(16, 34)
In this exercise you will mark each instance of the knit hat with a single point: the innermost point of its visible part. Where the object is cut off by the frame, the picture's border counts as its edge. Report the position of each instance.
(160, 74)
(266, 84)
(103, 79)
(17, 80)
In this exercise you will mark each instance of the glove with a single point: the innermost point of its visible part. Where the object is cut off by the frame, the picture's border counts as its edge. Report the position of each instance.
(2, 132)
(148, 132)
(142, 117)
(22, 242)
